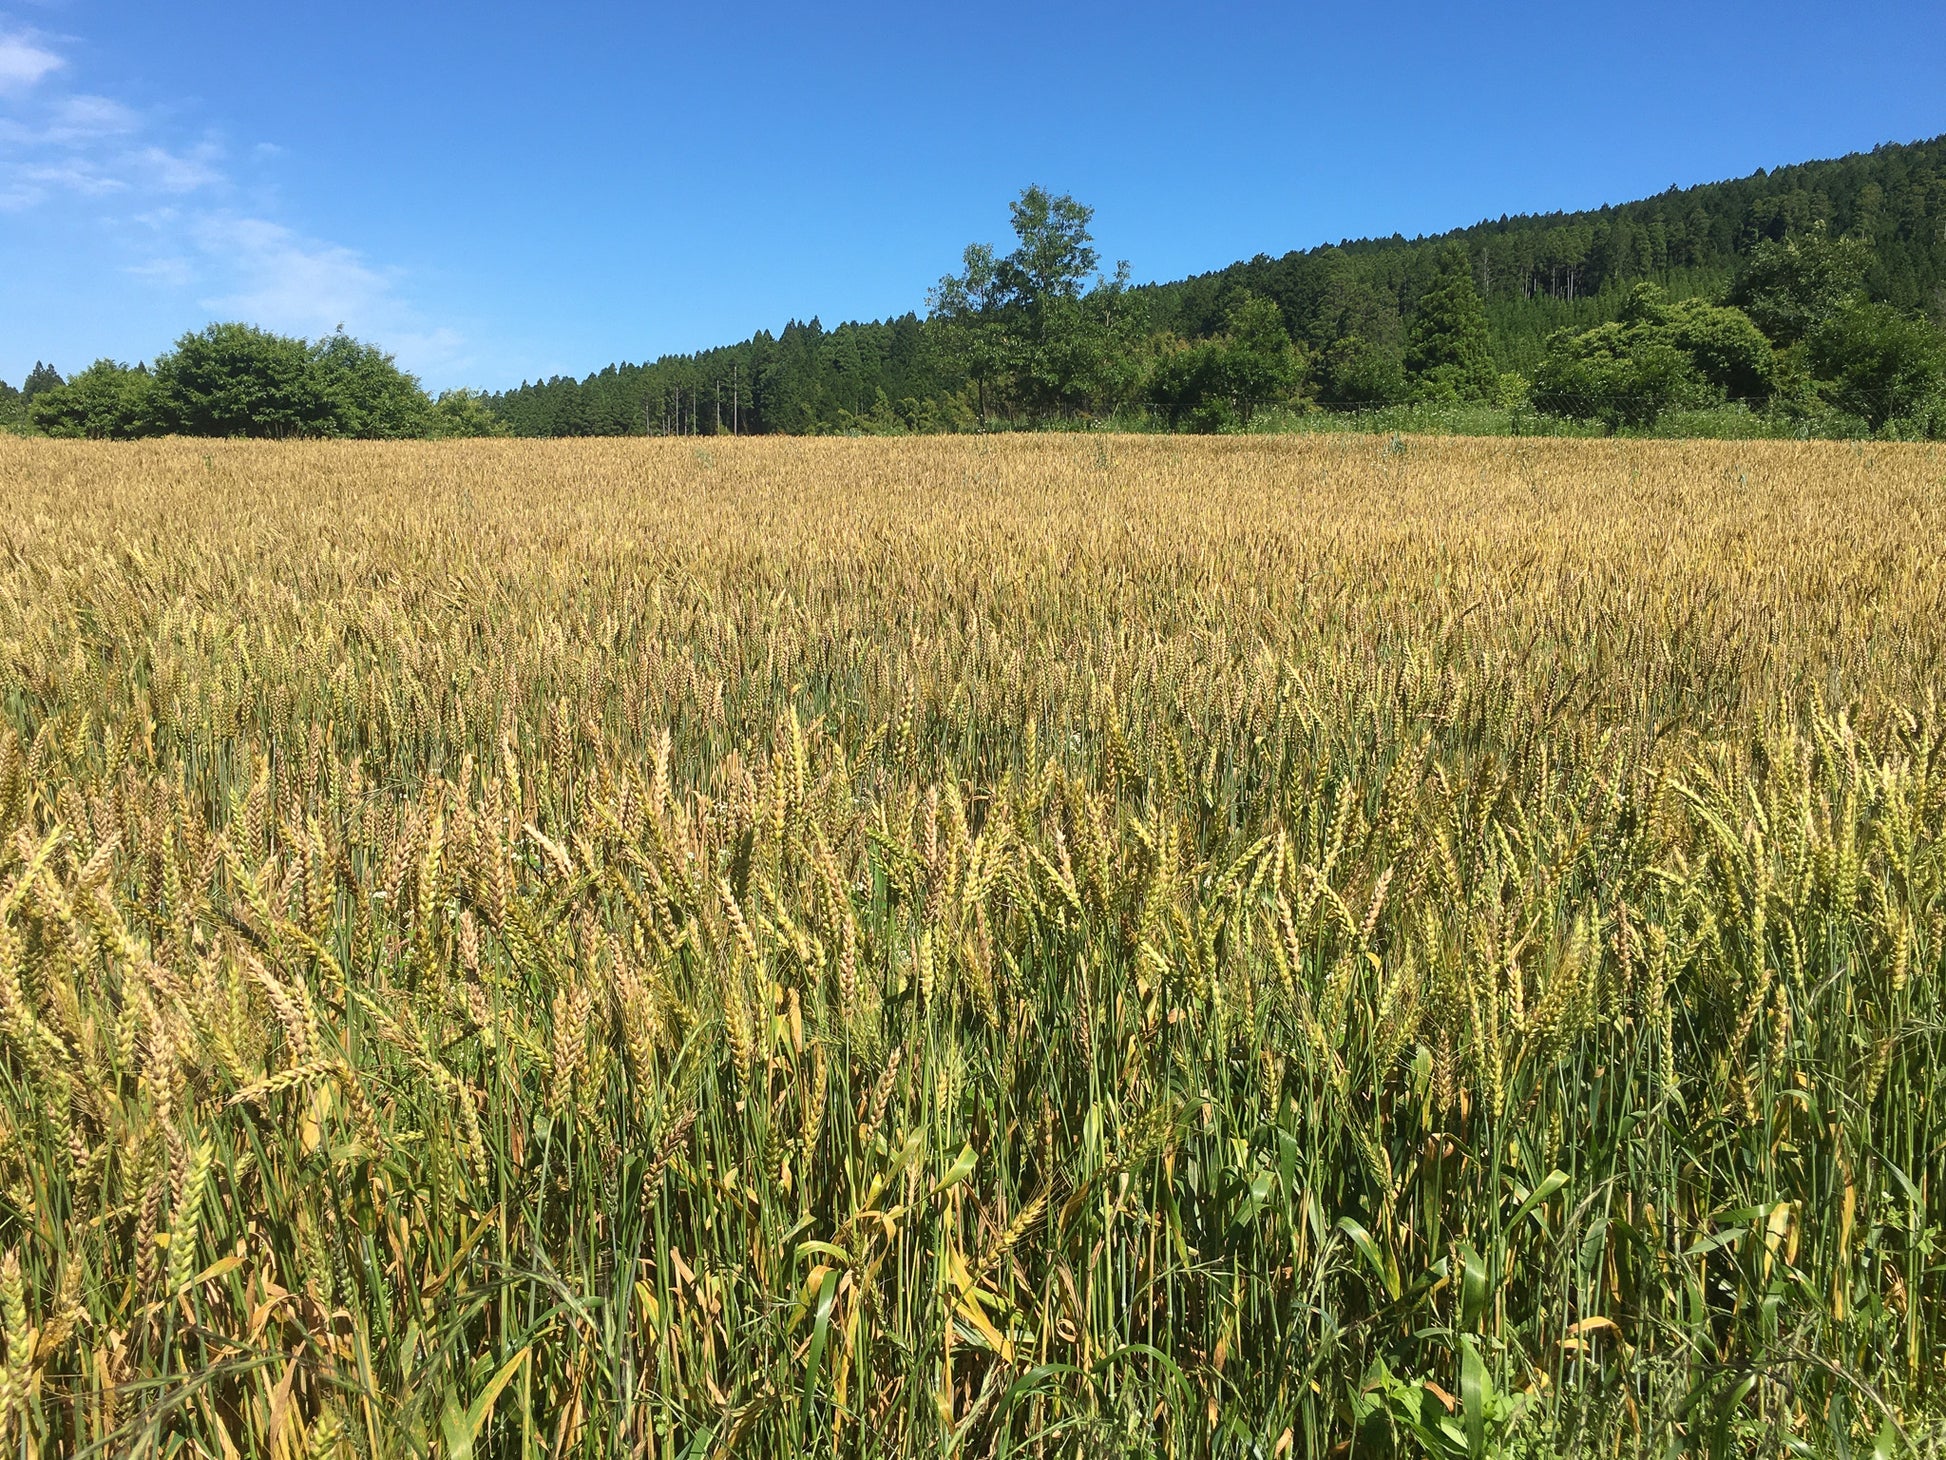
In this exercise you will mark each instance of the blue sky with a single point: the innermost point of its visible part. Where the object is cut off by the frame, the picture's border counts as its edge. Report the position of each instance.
(499, 192)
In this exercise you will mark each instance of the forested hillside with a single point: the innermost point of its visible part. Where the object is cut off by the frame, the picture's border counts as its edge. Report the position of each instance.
(1350, 311)
(1809, 301)
(1540, 273)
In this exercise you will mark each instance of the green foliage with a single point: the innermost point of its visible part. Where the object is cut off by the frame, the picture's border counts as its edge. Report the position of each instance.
(238, 380)
(1541, 274)
(1617, 375)
(1723, 345)
(1512, 391)
(14, 416)
(108, 401)
(1844, 364)
(1396, 1416)
(1218, 384)
(1189, 385)
(462, 413)
(1658, 357)
(908, 417)
(1361, 372)
(1882, 367)
(366, 393)
(967, 307)
(1790, 287)
(41, 378)
(1029, 329)
(804, 380)
(1447, 349)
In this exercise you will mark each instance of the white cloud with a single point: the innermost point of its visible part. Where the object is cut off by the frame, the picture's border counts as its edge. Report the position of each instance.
(77, 175)
(178, 172)
(274, 276)
(282, 280)
(174, 273)
(94, 146)
(189, 239)
(80, 119)
(24, 62)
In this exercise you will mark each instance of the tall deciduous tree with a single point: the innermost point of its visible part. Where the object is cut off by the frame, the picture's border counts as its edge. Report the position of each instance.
(237, 380)
(365, 392)
(1030, 327)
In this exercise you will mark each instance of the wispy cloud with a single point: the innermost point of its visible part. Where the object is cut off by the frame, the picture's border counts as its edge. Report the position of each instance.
(164, 171)
(282, 279)
(173, 273)
(24, 61)
(180, 210)
(278, 277)
(54, 143)
(74, 121)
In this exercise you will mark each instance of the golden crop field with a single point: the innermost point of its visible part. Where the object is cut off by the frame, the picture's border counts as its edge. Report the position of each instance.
(1050, 945)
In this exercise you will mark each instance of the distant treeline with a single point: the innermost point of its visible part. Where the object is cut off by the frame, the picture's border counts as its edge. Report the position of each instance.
(1355, 318)
(1809, 300)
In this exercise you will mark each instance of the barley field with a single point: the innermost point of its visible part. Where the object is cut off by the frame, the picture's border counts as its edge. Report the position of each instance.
(1052, 946)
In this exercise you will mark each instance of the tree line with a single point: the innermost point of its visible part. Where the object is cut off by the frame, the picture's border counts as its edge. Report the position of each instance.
(1611, 316)
(1809, 299)
(237, 380)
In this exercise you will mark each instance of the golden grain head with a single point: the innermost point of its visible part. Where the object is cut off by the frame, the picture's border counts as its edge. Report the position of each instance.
(875, 947)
